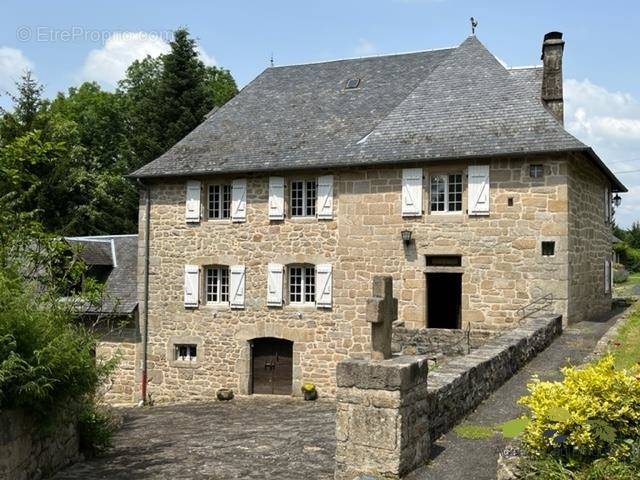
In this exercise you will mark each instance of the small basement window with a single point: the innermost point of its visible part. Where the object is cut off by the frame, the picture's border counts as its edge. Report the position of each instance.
(548, 249)
(510, 201)
(186, 353)
(352, 84)
(536, 171)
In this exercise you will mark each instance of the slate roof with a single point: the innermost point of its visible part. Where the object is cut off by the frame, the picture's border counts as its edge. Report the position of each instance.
(442, 104)
(120, 289)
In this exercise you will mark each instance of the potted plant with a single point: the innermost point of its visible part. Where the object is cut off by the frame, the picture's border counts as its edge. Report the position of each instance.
(309, 391)
(224, 394)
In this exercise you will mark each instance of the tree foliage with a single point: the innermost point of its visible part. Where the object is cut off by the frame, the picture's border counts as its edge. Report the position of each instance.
(65, 160)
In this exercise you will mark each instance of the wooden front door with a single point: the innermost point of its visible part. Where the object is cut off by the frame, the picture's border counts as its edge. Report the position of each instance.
(272, 366)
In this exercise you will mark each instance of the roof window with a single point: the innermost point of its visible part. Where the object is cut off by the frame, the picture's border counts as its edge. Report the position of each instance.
(352, 84)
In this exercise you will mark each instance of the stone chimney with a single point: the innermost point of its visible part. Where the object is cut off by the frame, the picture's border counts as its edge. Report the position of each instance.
(552, 49)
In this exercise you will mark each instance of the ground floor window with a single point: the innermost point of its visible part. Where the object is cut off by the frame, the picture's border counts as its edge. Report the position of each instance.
(217, 284)
(302, 284)
(186, 352)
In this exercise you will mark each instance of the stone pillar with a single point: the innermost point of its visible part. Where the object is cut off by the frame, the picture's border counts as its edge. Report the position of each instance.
(382, 311)
(382, 417)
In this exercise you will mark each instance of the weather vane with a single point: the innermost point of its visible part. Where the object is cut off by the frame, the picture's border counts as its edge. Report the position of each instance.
(474, 24)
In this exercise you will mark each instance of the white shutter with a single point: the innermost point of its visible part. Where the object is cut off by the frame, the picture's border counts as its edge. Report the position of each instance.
(324, 279)
(236, 286)
(607, 205)
(479, 190)
(239, 200)
(411, 192)
(191, 285)
(274, 284)
(192, 214)
(276, 198)
(324, 207)
(608, 278)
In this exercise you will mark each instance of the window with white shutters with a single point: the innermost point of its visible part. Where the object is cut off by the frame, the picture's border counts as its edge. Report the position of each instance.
(325, 197)
(478, 190)
(412, 192)
(236, 287)
(302, 199)
(217, 284)
(446, 193)
(302, 284)
(276, 198)
(239, 200)
(324, 279)
(274, 284)
(191, 285)
(608, 277)
(219, 201)
(192, 209)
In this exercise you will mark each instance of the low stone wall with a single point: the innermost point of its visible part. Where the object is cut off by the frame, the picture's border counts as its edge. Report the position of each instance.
(461, 384)
(436, 342)
(381, 417)
(388, 411)
(28, 454)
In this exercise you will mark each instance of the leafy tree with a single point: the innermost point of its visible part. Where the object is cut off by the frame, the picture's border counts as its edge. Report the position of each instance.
(28, 103)
(169, 96)
(633, 235)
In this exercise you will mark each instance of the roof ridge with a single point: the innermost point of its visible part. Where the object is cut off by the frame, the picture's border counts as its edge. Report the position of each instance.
(368, 57)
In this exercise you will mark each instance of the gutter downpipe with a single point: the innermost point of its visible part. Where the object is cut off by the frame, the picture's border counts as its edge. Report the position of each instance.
(143, 386)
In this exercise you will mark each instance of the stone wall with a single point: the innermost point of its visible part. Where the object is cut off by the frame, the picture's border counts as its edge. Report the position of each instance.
(462, 383)
(122, 385)
(589, 241)
(28, 454)
(381, 417)
(436, 343)
(502, 268)
(389, 411)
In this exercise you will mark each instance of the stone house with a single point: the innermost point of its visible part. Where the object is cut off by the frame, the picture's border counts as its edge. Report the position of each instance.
(112, 260)
(262, 229)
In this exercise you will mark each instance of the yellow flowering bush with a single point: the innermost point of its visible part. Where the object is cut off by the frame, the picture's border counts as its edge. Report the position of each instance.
(593, 412)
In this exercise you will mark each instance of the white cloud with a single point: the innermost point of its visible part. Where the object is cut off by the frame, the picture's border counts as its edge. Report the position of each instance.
(610, 123)
(13, 63)
(364, 47)
(108, 64)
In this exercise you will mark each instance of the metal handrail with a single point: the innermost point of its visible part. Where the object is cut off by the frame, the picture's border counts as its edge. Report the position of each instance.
(545, 302)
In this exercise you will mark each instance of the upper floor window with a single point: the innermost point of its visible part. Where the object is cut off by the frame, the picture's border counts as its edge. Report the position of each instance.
(303, 198)
(302, 284)
(536, 171)
(219, 201)
(217, 284)
(446, 193)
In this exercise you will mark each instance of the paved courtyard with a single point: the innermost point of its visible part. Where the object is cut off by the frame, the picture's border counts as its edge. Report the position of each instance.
(248, 438)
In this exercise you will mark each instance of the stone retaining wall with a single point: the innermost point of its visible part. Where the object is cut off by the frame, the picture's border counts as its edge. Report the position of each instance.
(388, 411)
(461, 384)
(28, 454)
(436, 342)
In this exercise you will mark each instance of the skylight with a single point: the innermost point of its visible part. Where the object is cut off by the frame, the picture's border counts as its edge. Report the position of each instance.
(352, 84)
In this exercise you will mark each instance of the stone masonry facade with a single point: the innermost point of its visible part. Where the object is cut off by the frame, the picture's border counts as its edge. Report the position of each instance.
(502, 265)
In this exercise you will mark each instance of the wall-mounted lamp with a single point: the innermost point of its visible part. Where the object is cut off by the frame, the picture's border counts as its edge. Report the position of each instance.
(617, 200)
(406, 236)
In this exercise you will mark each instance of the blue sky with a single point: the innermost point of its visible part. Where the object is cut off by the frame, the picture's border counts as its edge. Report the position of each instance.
(67, 42)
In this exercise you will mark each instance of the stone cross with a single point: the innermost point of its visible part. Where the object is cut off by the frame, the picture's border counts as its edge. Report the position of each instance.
(382, 310)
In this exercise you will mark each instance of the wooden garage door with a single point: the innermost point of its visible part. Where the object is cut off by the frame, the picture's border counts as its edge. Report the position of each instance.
(272, 366)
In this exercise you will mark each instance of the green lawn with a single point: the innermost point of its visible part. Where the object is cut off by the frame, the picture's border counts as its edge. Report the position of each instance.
(626, 346)
(626, 289)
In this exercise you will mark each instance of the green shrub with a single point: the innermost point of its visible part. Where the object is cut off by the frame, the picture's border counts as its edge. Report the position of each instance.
(620, 275)
(593, 413)
(629, 256)
(96, 425)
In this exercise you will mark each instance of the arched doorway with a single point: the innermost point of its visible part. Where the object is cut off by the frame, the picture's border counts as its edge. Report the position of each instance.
(271, 366)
